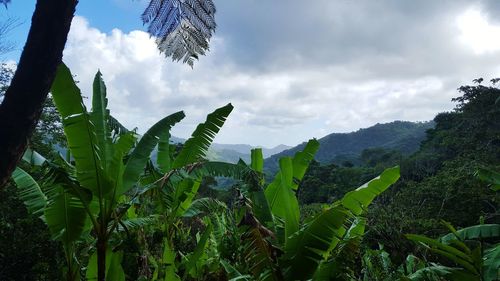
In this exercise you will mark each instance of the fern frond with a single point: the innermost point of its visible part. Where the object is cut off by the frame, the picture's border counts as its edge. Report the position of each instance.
(183, 28)
(5, 2)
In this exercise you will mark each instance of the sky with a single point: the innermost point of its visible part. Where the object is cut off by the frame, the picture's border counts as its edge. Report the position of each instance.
(293, 69)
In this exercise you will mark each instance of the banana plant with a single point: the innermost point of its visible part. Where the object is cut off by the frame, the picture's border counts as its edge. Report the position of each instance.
(90, 194)
(475, 250)
(471, 249)
(170, 188)
(377, 265)
(276, 246)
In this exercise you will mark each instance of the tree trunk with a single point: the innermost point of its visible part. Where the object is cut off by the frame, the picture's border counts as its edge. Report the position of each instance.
(23, 100)
(101, 259)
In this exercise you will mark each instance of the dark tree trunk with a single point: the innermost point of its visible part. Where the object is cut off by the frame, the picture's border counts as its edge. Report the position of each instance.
(23, 101)
(101, 259)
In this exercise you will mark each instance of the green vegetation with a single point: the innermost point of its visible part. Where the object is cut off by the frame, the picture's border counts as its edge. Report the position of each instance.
(120, 206)
(108, 210)
(401, 136)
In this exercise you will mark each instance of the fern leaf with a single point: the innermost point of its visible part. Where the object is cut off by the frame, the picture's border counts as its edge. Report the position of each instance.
(183, 28)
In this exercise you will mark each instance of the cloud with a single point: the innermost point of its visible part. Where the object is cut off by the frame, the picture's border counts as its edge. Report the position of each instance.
(296, 70)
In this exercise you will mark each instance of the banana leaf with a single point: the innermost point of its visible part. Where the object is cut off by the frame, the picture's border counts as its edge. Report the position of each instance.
(197, 146)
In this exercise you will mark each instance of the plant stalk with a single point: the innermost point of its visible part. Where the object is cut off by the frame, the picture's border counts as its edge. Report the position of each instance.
(101, 258)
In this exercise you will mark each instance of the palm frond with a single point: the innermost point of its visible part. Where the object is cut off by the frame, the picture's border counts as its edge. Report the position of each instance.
(183, 28)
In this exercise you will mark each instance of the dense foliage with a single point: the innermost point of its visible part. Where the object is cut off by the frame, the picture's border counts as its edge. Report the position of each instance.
(128, 216)
(438, 183)
(338, 148)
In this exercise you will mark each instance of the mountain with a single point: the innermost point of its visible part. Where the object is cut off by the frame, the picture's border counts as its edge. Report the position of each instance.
(339, 147)
(232, 153)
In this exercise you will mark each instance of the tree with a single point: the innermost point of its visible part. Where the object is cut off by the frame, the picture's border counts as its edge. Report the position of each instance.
(5, 27)
(23, 101)
(183, 29)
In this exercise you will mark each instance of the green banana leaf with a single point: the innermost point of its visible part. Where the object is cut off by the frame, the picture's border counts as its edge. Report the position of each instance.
(438, 272)
(233, 273)
(197, 146)
(140, 155)
(490, 176)
(192, 259)
(309, 246)
(491, 263)
(455, 255)
(184, 194)
(168, 261)
(205, 206)
(29, 192)
(114, 270)
(79, 130)
(481, 231)
(136, 223)
(281, 198)
(227, 170)
(313, 243)
(256, 193)
(257, 160)
(116, 168)
(280, 193)
(65, 214)
(99, 116)
(358, 200)
(302, 159)
(32, 157)
(163, 158)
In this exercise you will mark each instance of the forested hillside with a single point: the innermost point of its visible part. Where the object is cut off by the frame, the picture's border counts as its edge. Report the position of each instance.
(439, 182)
(337, 148)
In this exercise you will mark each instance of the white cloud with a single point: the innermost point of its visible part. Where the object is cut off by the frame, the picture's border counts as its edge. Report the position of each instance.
(477, 33)
(323, 73)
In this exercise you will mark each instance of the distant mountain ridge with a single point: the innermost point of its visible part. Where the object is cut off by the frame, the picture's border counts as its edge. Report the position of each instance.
(234, 152)
(246, 148)
(404, 136)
